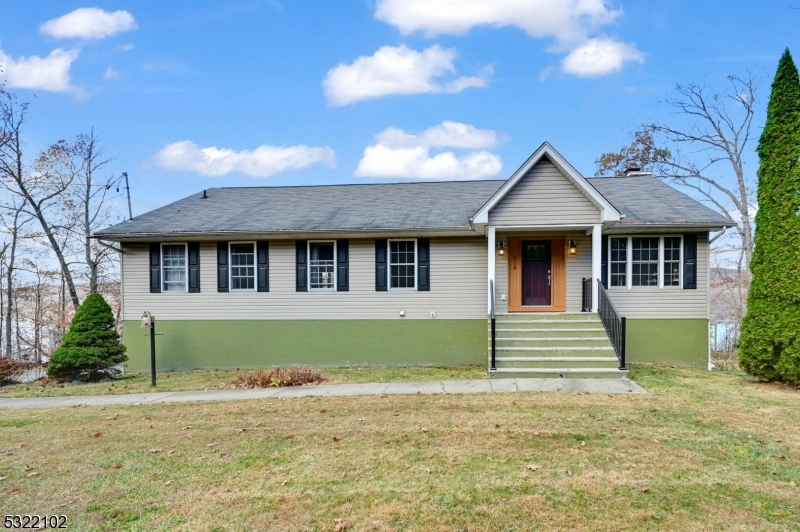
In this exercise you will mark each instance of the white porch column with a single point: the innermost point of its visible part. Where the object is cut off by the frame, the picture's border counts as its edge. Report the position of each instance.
(491, 234)
(597, 257)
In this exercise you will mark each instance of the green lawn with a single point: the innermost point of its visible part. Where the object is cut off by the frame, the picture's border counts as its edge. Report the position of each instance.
(218, 379)
(702, 451)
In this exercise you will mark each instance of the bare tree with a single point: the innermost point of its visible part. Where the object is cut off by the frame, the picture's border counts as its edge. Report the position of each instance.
(90, 199)
(705, 154)
(14, 220)
(43, 185)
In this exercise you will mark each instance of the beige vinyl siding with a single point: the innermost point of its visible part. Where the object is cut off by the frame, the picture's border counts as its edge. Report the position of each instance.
(578, 267)
(544, 196)
(669, 302)
(458, 288)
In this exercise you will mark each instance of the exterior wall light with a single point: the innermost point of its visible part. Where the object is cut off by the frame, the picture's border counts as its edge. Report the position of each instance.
(572, 249)
(146, 320)
(501, 248)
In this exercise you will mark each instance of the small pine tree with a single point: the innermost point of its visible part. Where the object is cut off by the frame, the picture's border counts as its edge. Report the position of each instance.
(770, 340)
(91, 344)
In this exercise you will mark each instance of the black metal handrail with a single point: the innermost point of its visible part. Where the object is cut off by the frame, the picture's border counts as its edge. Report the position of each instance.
(491, 308)
(586, 301)
(614, 324)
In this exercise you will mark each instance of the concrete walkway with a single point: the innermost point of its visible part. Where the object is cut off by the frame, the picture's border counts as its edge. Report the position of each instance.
(615, 385)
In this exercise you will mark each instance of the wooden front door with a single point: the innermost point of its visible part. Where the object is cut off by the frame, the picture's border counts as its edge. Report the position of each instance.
(537, 273)
(529, 288)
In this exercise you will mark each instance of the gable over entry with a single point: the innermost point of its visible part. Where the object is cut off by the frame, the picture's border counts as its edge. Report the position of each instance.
(544, 201)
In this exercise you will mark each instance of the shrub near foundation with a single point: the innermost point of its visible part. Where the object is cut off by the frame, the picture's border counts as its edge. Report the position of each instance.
(91, 346)
(277, 377)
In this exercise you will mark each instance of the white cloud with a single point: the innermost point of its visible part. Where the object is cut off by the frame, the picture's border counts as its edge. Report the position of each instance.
(570, 23)
(566, 20)
(89, 23)
(396, 70)
(263, 161)
(112, 73)
(397, 154)
(447, 134)
(597, 57)
(49, 73)
(127, 47)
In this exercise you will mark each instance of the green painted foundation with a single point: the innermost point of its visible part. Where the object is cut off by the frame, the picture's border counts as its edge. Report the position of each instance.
(678, 342)
(260, 343)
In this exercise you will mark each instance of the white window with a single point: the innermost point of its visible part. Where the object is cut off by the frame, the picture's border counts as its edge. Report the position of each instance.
(672, 260)
(243, 266)
(619, 261)
(321, 265)
(173, 267)
(402, 264)
(645, 261)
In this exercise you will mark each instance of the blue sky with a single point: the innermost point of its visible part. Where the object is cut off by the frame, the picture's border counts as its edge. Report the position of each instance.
(194, 95)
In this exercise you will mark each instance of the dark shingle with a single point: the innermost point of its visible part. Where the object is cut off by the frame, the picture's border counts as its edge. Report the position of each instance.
(646, 200)
(429, 205)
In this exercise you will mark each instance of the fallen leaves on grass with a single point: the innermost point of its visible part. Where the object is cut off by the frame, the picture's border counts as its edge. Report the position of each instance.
(533, 467)
(154, 451)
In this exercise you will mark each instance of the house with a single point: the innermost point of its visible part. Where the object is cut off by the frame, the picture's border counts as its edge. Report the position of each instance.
(411, 273)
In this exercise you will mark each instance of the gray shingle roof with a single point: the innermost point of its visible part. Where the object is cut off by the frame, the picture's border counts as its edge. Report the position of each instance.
(427, 205)
(393, 206)
(647, 200)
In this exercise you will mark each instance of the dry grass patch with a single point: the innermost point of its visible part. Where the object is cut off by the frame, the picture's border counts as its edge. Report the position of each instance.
(182, 381)
(702, 451)
(277, 377)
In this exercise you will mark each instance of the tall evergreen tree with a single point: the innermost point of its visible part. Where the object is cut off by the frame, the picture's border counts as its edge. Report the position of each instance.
(770, 340)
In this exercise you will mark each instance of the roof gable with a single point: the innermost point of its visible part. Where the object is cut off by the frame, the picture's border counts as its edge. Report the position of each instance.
(607, 211)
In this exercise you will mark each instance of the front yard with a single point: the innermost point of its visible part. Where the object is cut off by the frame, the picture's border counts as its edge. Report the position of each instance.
(222, 379)
(702, 451)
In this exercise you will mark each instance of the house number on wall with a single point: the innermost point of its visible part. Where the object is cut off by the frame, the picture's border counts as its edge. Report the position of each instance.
(514, 262)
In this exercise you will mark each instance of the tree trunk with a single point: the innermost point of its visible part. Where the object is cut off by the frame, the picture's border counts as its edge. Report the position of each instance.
(10, 280)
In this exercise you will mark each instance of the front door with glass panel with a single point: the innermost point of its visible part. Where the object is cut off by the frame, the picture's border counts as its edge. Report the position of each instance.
(536, 273)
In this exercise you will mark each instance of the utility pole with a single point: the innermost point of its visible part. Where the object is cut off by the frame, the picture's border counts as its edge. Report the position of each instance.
(128, 191)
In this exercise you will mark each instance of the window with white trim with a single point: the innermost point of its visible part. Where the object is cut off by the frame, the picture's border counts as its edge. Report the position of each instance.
(402, 264)
(651, 261)
(619, 261)
(672, 261)
(173, 268)
(644, 271)
(243, 266)
(321, 265)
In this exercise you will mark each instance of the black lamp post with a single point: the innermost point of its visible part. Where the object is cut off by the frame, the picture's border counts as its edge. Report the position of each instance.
(149, 322)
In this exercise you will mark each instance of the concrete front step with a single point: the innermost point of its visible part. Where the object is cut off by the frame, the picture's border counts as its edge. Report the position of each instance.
(556, 372)
(543, 350)
(545, 362)
(552, 331)
(560, 316)
(552, 342)
(548, 326)
(501, 360)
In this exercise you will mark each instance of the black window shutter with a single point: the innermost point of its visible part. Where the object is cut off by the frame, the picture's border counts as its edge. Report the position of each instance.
(380, 265)
(262, 266)
(342, 265)
(424, 264)
(690, 261)
(603, 262)
(222, 266)
(301, 252)
(155, 268)
(194, 266)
